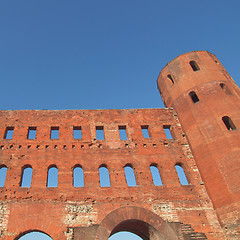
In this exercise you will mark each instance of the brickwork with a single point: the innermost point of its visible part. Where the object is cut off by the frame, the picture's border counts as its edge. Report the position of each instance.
(170, 211)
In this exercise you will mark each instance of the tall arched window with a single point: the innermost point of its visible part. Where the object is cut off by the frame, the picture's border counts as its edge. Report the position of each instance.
(181, 174)
(229, 123)
(26, 178)
(3, 173)
(225, 88)
(194, 97)
(52, 180)
(157, 181)
(78, 176)
(104, 176)
(129, 175)
(194, 66)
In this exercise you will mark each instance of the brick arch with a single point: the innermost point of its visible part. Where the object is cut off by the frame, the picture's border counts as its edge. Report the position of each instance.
(138, 220)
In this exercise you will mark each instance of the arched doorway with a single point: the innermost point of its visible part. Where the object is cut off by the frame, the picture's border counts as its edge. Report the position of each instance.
(33, 235)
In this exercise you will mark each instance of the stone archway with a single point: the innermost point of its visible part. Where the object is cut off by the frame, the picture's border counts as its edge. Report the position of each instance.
(140, 221)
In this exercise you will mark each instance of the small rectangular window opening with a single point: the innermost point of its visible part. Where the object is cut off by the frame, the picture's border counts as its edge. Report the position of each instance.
(145, 132)
(77, 132)
(167, 131)
(194, 97)
(122, 132)
(54, 132)
(32, 133)
(9, 133)
(99, 133)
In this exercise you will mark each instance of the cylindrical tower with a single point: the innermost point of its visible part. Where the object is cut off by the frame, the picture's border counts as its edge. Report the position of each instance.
(207, 102)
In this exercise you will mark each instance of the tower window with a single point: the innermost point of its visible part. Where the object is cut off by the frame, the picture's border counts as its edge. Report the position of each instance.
(77, 132)
(145, 131)
(194, 66)
(78, 176)
(52, 180)
(54, 132)
(167, 131)
(99, 133)
(170, 78)
(229, 123)
(130, 176)
(225, 88)
(157, 181)
(32, 133)
(9, 133)
(26, 176)
(194, 97)
(3, 173)
(104, 176)
(122, 132)
(181, 174)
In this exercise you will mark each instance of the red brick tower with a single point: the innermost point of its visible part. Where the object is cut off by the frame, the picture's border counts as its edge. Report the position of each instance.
(206, 100)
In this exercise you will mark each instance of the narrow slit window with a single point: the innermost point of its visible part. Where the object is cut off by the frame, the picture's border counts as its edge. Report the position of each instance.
(229, 123)
(225, 88)
(181, 174)
(170, 78)
(104, 177)
(99, 133)
(167, 131)
(9, 133)
(26, 176)
(54, 132)
(3, 173)
(194, 66)
(32, 133)
(194, 97)
(130, 176)
(52, 180)
(145, 131)
(157, 181)
(122, 132)
(77, 132)
(78, 177)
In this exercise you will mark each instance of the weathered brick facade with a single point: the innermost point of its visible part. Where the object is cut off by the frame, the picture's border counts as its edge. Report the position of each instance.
(207, 208)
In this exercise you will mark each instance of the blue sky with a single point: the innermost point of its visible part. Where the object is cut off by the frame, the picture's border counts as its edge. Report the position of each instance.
(105, 54)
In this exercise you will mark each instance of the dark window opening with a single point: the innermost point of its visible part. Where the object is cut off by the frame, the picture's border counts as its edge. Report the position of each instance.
(181, 174)
(194, 97)
(78, 177)
(170, 78)
(3, 173)
(145, 131)
(122, 132)
(54, 132)
(9, 133)
(26, 176)
(99, 133)
(194, 66)
(77, 132)
(229, 123)
(130, 176)
(104, 176)
(225, 88)
(32, 133)
(157, 181)
(167, 131)
(52, 180)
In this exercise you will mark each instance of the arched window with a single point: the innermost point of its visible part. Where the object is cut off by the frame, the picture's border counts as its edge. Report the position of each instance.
(129, 175)
(104, 176)
(78, 176)
(225, 88)
(194, 97)
(181, 175)
(229, 123)
(3, 173)
(170, 78)
(26, 178)
(34, 235)
(157, 181)
(52, 180)
(194, 66)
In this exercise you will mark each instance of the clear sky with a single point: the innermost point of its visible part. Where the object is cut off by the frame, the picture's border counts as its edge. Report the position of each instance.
(105, 54)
